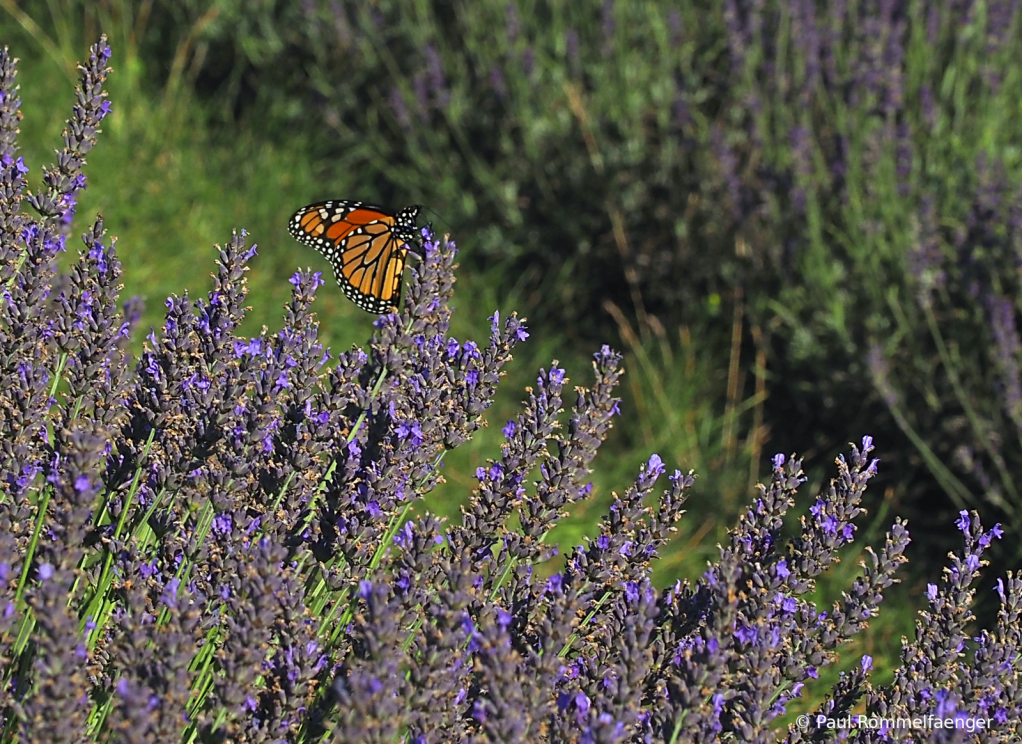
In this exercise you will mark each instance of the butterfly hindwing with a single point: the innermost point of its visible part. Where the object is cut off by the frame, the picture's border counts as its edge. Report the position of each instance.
(365, 245)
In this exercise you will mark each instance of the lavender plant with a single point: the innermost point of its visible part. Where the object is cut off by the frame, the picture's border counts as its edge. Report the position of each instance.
(213, 542)
(802, 161)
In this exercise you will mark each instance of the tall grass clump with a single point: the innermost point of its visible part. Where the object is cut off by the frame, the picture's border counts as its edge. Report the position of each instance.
(211, 541)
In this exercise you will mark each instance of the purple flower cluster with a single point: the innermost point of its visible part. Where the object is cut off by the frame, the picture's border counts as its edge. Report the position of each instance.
(800, 155)
(213, 542)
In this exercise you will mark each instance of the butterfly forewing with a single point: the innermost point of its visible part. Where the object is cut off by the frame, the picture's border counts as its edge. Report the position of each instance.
(364, 244)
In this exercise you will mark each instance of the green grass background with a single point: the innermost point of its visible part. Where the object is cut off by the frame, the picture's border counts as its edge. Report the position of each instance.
(170, 186)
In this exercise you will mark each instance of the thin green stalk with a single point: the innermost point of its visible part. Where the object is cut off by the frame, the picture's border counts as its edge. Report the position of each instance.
(981, 433)
(952, 486)
(43, 504)
(571, 639)
(57, 373)
(95, 605)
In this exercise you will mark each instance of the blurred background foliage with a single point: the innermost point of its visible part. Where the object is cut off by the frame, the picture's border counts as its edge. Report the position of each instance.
(801, 220)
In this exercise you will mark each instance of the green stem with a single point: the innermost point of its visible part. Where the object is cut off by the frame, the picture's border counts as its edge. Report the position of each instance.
(977, 426)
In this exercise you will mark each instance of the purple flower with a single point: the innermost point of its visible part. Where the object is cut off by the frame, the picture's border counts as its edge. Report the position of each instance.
(571, 45)
(399, 108)
(781, 569)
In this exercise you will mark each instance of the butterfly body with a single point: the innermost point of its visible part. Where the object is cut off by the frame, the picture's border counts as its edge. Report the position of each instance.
(366, 246)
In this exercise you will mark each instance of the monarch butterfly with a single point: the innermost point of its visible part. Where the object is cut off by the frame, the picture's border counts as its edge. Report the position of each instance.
(365, 245)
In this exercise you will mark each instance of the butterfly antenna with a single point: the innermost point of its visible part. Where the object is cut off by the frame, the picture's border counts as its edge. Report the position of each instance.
(435, 214)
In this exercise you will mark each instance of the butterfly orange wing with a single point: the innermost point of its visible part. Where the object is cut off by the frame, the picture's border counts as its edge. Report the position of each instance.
(365, 245)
